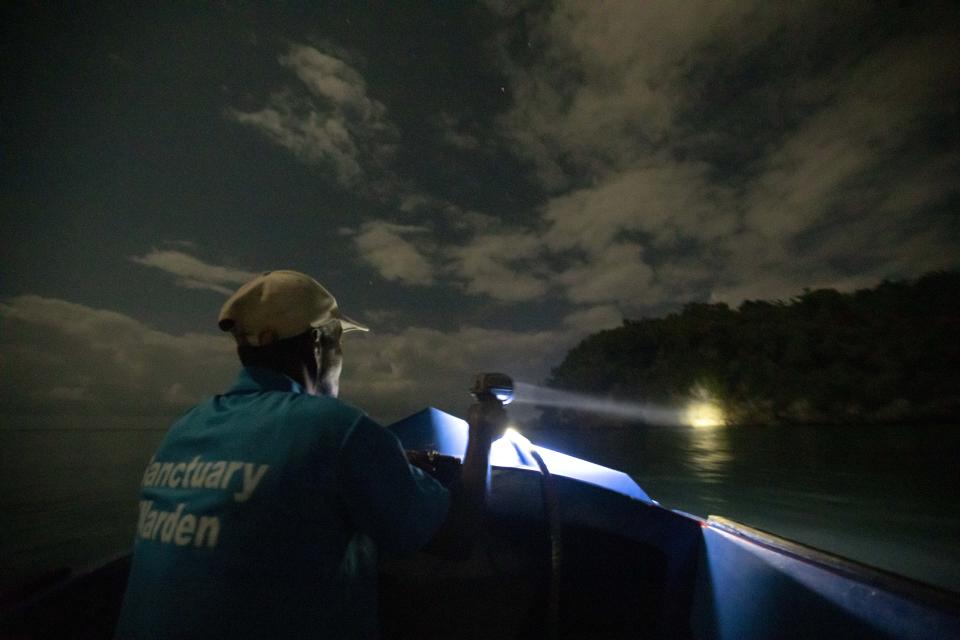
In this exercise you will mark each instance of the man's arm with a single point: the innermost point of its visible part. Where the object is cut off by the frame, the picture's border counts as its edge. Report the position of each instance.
(400, 506)
(456, 535)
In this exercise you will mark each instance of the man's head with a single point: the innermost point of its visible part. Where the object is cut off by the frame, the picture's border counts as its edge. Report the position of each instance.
(287, 321)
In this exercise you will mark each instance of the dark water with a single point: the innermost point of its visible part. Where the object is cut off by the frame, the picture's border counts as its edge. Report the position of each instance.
(68, 496)
(887, 496)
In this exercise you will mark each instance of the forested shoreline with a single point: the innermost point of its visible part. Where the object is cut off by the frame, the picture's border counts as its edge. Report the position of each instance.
(880, 355)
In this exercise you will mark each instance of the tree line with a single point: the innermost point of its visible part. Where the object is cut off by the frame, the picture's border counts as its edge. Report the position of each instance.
(886, 354)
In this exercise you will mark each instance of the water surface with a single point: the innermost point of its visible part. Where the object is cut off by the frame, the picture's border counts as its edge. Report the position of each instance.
(68, 497)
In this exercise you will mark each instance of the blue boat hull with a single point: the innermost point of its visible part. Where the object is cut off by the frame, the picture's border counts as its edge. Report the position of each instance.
(713, 578)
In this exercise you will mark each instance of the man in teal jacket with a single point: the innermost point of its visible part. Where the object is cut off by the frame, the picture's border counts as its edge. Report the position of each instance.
(262, 511)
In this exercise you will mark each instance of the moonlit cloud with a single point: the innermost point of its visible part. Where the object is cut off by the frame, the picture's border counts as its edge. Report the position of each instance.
(832, 163)
(607, 87)
(501, 266)
(394, 374)
(101, 361)
(328, 119)
(457, 135)
(617, 274)
(676, 166)
(336, 81)
(311, 136)
(593, 319)
(617, 120)
(386, 247)
(193, 273)
(665, 201)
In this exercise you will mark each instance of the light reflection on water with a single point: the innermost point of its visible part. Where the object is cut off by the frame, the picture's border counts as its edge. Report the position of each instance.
(708, 452)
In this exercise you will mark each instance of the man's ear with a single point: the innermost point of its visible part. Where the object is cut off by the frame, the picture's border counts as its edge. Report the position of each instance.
(331, 359)
(331, 333)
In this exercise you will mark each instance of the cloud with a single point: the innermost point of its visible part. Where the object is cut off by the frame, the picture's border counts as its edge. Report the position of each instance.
(833, 160)
(391, 375)
(414, 201)
(328, 119)
(101, 361)
(336, 81)
(607, 85)
(664, 200)
(585, 235)
(858, 192)
(66, 358)
(311, 136)
(593, 319)
(502, 266)
(182, 244)
(618, 273)
(699, 150)
(385, 246)
(683, 163)
(378, 318)
(454, 133)
(193, 273)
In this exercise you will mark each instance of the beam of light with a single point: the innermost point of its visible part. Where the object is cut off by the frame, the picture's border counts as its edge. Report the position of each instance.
(704, 415)
(654, 414)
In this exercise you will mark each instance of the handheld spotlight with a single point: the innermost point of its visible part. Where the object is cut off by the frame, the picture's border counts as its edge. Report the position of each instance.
(497, 386)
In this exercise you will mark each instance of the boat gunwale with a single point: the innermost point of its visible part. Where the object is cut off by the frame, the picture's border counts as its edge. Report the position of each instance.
(918, 591)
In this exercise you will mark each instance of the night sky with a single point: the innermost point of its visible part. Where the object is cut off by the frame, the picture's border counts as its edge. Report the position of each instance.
(482, 184)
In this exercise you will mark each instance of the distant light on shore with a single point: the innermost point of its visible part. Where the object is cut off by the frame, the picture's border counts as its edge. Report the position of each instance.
(705, 414)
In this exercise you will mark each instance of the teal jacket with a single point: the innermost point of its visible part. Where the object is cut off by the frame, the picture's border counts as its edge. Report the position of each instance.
(261, 514)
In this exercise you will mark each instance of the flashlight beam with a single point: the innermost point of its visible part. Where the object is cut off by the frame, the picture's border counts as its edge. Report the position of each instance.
(532, 394)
